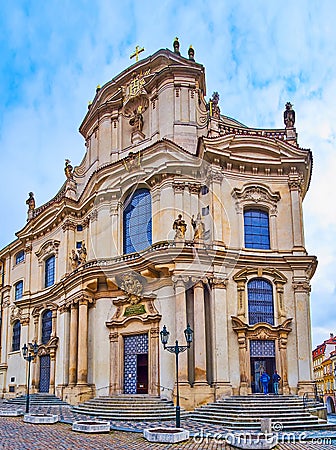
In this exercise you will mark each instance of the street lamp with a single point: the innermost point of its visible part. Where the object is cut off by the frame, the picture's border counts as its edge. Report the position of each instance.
(29, 353)
(177, 349)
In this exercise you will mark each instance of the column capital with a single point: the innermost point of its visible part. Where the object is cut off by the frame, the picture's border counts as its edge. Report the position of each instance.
(302, 286)
(218, 282)
(114, 336)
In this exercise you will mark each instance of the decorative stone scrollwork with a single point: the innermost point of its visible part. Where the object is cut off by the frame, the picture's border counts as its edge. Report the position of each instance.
(256, 194)
(178, 186)
(131, 285)
(114, 336)
(218, 282)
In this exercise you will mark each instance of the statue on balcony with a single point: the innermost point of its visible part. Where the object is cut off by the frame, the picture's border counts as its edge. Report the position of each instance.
(82, 254)
(198, 226)
(74, 259)
(180, 227)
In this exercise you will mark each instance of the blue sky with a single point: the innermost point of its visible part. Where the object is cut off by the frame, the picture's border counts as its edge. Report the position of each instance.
(258, 55)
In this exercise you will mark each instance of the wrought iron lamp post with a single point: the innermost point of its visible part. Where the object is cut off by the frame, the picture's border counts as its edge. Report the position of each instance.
(29, 353)
(177, 349)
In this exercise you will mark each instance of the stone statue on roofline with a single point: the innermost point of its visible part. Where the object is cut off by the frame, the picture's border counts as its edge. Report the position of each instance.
(68, 170)
(289, 116)
(31, 205)
(213, 107)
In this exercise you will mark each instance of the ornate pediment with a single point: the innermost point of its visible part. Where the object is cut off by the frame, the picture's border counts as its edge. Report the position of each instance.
(256, 194)
(132, 286)
(48, 248)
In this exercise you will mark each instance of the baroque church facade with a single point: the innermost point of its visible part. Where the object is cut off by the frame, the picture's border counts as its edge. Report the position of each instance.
(176, 215)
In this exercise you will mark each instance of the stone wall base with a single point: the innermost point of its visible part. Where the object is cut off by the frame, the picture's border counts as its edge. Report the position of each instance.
(76, 394)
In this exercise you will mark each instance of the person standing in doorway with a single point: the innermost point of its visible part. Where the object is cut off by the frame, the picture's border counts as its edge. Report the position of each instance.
(265, 378)
(275, 379)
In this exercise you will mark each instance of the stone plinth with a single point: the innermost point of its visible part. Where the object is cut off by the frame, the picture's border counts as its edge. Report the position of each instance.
(91, 426)
(40, 418)
(11, 413)
(168, 435)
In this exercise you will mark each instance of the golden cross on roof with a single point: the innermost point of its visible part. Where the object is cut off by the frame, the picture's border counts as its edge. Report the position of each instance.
(136, 53)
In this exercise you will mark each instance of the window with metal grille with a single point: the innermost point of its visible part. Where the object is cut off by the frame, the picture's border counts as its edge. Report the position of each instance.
(16, 336)
(260, 301)
(19, 257)
(137, 222)
(256, 229)
(46, 326)
(50, 271)
(18, 290)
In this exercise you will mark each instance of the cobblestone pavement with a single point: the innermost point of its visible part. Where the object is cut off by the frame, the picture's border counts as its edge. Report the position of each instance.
(17, 435)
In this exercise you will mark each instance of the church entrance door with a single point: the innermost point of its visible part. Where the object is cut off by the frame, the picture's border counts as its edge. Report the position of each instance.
(44, 373)
(136, 364)
(262, 360)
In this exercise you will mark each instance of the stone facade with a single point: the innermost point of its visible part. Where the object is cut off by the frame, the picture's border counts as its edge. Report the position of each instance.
(150, 134)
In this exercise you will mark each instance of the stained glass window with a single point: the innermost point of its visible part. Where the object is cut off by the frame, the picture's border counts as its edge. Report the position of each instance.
(50, 271)
(137, 221)
(46, 326)
(260, 301)
(16, 336)
(256, 229)
(18, 290)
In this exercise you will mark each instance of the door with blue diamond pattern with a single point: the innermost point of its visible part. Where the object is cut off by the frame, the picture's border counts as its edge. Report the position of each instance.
(44, 373)
(136, 364)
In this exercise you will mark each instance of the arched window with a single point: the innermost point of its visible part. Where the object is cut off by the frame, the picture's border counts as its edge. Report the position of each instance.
(137, 221)
(46, 326)
(19, 290)
(260, 301)
(256, 229)
(49, 272)
(16, 336)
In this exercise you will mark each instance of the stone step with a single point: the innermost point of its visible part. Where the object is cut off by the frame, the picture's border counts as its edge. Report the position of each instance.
(37, 399)
(128, 408)
(238, 418)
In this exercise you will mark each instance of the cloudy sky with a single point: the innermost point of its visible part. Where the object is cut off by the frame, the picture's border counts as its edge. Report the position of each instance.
(258, 55)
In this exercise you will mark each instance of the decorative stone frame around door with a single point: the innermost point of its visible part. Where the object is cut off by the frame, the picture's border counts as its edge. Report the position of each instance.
(139, 318)
(261, 331)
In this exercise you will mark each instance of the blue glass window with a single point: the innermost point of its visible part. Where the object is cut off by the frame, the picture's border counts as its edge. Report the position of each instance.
(19, 257)
(50, 271)
(46, 326)
(256, 229)
(260, 301)
(137, 221)
(16, 336)
(18, 290)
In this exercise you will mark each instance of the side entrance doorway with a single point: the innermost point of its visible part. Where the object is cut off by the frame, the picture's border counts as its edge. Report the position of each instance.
(44, 373)
(136, 364)
(262, 360)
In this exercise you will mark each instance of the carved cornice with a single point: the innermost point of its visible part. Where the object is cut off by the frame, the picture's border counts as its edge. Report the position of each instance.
(260, 331)
(69, 225)
(144, 312)
(49, 348)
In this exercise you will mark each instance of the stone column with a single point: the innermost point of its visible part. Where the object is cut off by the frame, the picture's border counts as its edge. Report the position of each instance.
(34, 366)
(178, 198)
(296, 204)
(53, 322)
(73, 344)
(82, 369)
(115, 370)
(156, 228)
(52, 371)
(220, 332)
(181, 325)
(199, 333)
(302, 308)
(27, 282)
(283, 363)
(273, 229)
(216, 177)
(154, 379)
(243, 363)
(5, 325)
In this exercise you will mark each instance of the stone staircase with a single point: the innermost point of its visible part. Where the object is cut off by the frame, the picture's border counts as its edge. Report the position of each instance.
(38, 400)
(245, 412)
(129, 407)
